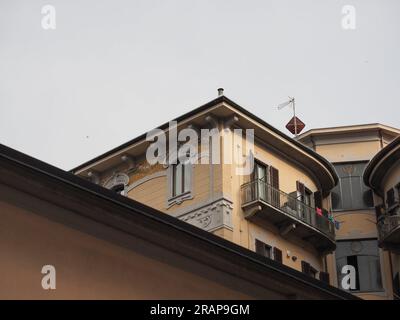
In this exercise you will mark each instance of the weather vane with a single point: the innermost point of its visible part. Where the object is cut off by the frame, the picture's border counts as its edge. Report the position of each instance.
(295, 125)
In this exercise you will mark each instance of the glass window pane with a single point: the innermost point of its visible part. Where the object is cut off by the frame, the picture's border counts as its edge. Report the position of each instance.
(351, 193)
(364, 256)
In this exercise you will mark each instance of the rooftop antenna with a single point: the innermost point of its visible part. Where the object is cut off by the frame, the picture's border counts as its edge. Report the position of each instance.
(297, 124)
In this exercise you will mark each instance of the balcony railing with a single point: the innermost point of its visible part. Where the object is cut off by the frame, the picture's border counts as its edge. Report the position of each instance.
(260, 191)
(387, 224)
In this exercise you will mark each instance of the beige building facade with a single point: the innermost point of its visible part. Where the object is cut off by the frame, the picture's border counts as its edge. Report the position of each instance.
(349, 149)
(382, 175)
(280, 210)
(62, 237)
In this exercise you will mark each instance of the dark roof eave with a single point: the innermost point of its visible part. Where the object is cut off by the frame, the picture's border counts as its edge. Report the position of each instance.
(66, 178)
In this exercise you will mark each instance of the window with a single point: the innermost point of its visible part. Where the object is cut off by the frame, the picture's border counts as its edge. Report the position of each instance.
(179, 183)
(318, 199)
(324, 277)
(259, 175)
(396, 285)
(392, 198)
(277, 255)
(263, 249)
(351, 192)
(304, 194)
(308, 269)
(266, 176)
(363, 255)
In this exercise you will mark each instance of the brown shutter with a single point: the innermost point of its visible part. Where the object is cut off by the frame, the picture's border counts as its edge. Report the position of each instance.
(260, 247)
(277, 255)
(324, 277)
(301, 188)
(274, 175)
(390, 200)
(318, 199)
(305, 267)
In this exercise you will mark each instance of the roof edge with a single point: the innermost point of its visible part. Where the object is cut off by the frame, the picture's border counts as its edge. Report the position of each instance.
(378, 160)
(67, 178)
(341, 129)
(204, 107)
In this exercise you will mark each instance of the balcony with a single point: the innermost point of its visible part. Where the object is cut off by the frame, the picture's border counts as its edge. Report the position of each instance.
(263, 204)
(389, 232)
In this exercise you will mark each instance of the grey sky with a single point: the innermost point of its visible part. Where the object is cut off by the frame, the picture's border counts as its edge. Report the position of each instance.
(115, 69)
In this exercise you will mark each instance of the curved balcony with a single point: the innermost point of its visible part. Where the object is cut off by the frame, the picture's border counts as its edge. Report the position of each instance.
(389, 232)
(263, 203)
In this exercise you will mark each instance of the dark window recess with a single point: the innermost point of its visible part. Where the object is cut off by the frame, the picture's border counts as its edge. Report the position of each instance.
(324, 277)
(313, 272)
(353, 261)
(277, 255)
(351, 192)
(301, 189)
(318, 199)
(119, 188)
(180, 178)
(391, 198)
(396, 285)
(397, 188)
(306, 268)
(263, 249)
(260, 172)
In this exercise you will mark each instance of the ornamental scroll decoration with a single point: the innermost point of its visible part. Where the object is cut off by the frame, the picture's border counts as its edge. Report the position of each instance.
(117, 179)
(212, 216)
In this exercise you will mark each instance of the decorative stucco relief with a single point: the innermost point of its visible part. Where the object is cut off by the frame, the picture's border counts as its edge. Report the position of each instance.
(212, 216)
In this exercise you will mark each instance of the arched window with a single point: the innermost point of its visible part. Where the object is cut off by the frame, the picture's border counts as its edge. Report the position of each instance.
(117, 183)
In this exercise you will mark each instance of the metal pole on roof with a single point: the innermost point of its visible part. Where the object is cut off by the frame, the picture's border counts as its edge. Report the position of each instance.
(294, 115)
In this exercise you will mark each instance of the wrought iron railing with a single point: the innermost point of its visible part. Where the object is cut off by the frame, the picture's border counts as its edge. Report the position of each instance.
(259, 190)
(387, 224)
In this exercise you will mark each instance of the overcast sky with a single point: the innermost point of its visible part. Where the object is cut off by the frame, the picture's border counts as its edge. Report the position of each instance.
(112, 70)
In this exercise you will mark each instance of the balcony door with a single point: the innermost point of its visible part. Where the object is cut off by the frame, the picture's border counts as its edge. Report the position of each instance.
(260, 177)
(266, 180)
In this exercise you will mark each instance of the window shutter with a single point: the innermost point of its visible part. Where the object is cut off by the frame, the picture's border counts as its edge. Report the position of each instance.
(274, 175)
(277, 255)
(390, 198)
(301, 188)
(324, 277)
(318, 199)
(305, 267)
(260, 247)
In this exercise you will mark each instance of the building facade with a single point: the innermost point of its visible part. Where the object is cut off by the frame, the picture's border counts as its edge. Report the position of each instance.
(279, 210)
(62, 237)
(350, 149)
(231, 205)
(382, 175)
